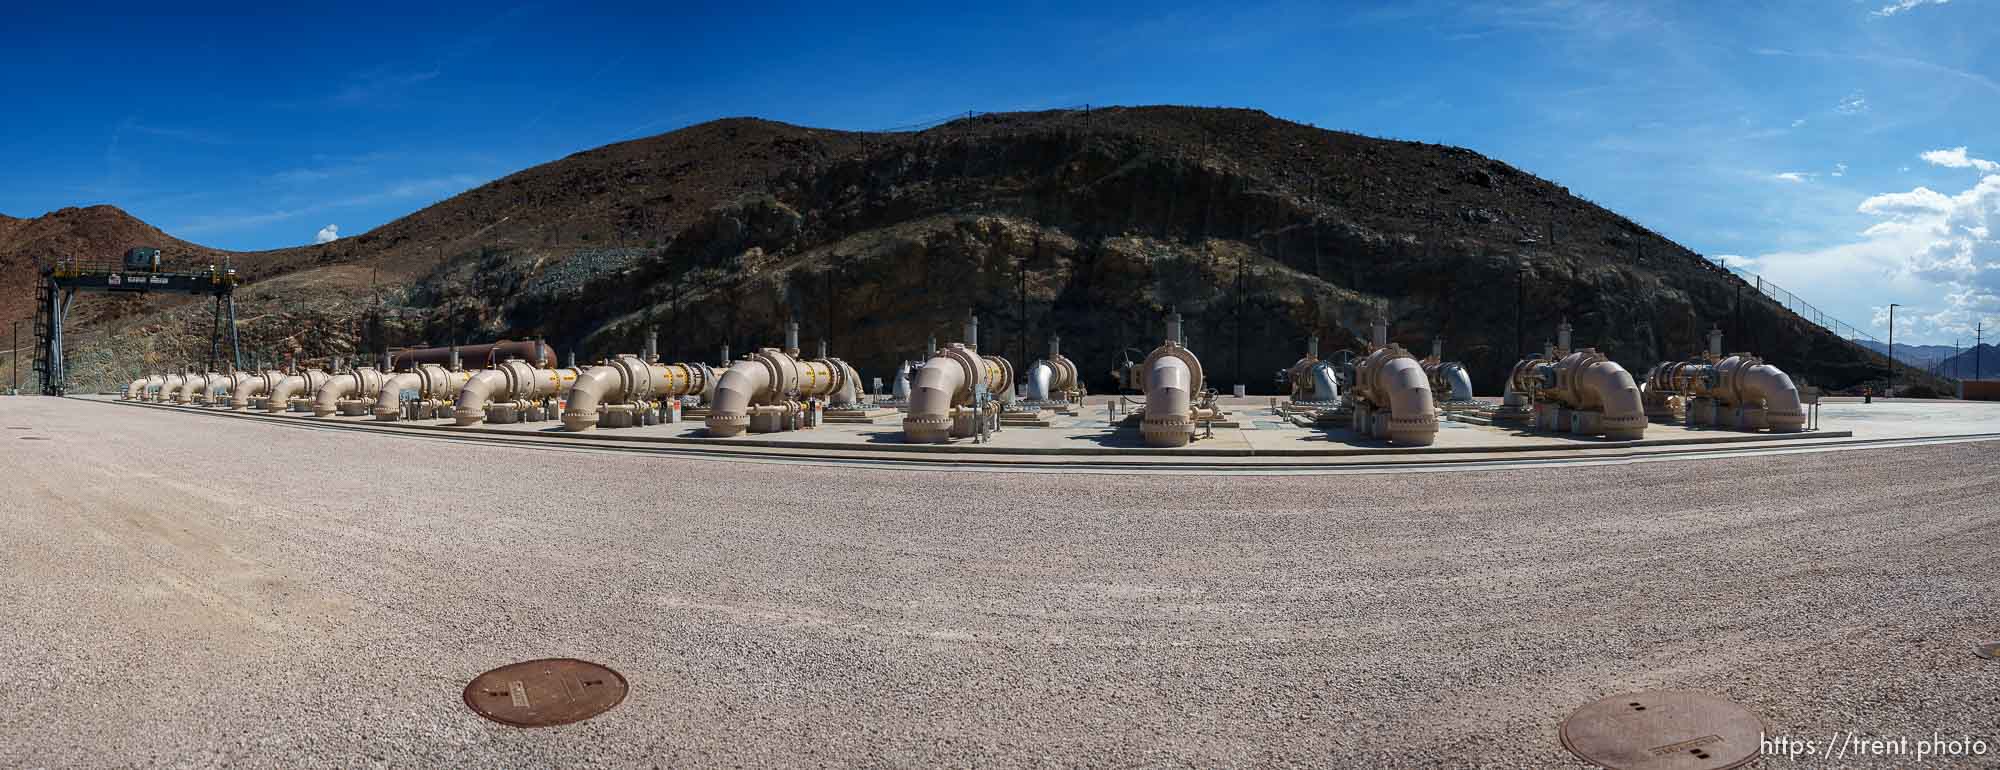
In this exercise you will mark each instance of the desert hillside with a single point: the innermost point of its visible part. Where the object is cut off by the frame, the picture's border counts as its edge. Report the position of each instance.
(1087, 224)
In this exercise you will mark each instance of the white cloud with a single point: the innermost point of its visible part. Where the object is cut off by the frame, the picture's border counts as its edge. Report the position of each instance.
(1840, 169)
(1956, 158)
(1737, 261)
(1903, 5)
(1799, 122)
(1939, 254)
(1852, 104)
(1793, 176)
(327, 234)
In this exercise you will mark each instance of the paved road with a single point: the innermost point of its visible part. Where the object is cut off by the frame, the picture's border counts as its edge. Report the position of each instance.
(188, 590)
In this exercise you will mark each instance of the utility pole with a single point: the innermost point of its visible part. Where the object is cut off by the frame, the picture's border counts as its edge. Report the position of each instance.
(1892, 351)
(1978, 340)
(16, 359)
(1520, 302)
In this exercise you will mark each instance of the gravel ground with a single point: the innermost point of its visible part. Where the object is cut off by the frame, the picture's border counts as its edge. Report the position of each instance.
(185, 590)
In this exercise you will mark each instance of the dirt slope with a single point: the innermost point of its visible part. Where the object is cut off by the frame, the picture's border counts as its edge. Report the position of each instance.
(1084, 224)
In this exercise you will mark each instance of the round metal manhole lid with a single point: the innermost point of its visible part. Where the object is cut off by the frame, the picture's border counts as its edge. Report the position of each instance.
(1664, 729)
(540, 693)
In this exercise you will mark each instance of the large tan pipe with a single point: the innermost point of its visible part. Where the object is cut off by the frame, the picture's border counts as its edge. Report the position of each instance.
(629, 379)
(770, 377)
(1607, 386)
(190, 385)
(510, 381)
(1391, 377)
(257, 385)
(363, 382)
(306, 383)
(133, 390)
(431, 381)
(947, 380)
(535, 352)
(743, 383)
(1739, 380)
(1782, 407)
(1169, 403)
(931, 394)
(169, 387)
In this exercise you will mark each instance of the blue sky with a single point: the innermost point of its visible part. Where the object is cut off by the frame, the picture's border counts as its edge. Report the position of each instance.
(1813, 142)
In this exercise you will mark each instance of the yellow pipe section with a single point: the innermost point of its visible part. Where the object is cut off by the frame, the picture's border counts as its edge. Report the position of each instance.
(770, 377)
(513, 380)
(627, 379)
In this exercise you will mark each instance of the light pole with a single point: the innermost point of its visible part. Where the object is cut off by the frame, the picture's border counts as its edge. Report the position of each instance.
(1891, 391)
(15, 359)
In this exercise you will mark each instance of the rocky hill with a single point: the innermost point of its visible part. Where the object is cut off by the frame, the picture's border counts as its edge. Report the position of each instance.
(1088, 224)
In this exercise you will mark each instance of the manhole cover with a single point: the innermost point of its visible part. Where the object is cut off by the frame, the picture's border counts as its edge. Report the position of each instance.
(1988, 651)
(539, 693)
(1666, 729)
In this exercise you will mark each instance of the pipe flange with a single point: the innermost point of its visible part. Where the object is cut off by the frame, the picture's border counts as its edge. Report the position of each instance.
(784, 376)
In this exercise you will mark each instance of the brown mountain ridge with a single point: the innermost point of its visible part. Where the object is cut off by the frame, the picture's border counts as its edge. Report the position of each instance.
(1083, 223)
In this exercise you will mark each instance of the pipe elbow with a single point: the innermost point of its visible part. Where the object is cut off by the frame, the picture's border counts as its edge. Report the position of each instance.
(471, 405)
(281, 393)
(931, 392)
(1783, 409)
(580, 414)
(730, 415)
(1169, 417)
(1624, 410)
(1412, 411)
(1040, 377)
(239, 399)
(327, 400)
(1461, 383)
(389, 403)
(1325, 382)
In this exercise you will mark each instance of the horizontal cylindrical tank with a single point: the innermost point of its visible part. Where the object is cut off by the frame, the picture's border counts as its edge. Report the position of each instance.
(483, 356)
